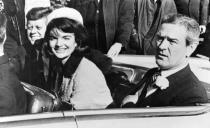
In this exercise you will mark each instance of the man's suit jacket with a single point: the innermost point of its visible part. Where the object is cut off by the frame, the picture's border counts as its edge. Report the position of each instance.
(148, 24)
(12, 95)
(118, 19)
(184, 89)
(197, 9)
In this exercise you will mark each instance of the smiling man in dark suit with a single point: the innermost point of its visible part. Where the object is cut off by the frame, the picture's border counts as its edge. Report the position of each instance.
(172, 83)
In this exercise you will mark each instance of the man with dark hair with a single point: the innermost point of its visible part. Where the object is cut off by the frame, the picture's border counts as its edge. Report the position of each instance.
(12, 95)
(172, 83)
(35, 71)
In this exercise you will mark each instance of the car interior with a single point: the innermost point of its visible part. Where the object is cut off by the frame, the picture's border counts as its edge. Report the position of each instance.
(120, 81)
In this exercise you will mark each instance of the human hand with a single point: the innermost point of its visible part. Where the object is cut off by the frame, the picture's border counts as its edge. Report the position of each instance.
(202, 29)
(114, 50)
(130, 98)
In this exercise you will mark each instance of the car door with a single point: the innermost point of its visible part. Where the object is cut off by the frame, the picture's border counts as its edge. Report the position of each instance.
(39, 120)
(162, 117)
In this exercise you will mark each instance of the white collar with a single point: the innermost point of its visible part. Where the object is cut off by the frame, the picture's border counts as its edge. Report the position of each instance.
(2, 49)
(155, 1)
(1, 54)
(167, 73)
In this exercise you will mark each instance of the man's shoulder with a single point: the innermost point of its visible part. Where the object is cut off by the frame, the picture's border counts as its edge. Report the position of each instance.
(185, 74)
(13, 94)
(192, 94)
(188, 88)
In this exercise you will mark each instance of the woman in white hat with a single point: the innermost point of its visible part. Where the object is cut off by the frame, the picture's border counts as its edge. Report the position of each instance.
(77, 71)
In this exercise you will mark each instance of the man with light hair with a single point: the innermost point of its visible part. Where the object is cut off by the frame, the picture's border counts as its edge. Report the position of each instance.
(172, 83)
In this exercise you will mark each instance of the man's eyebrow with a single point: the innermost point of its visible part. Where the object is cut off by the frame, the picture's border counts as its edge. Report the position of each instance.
(170, 38)
(167, 37)
(67, 36)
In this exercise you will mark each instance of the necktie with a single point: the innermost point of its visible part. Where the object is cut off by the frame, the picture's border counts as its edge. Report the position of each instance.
(149, 82)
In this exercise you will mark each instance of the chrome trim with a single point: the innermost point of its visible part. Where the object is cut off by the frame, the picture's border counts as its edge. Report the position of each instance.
(140, 112)
(25, 117)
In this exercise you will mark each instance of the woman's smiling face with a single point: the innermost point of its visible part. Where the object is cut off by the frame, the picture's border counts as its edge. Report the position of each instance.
(62, 44)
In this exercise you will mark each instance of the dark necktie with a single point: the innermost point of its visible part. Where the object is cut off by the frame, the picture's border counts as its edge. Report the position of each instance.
(149, 82)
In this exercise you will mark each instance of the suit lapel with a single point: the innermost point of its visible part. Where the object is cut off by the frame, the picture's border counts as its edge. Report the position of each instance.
(163, 97)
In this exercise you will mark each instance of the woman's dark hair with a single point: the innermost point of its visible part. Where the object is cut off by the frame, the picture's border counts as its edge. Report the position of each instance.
(68, 26)
(38, 13)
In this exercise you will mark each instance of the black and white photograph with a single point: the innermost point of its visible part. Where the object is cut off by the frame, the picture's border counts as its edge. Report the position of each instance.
(104, 64)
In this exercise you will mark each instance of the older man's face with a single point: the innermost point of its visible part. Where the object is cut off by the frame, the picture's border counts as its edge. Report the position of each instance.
(171, 46)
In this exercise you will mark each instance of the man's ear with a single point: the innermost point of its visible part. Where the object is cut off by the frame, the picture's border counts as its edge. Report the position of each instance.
(191, 48)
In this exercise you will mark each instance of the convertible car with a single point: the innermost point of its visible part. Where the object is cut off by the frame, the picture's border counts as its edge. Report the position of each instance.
(41, 104)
